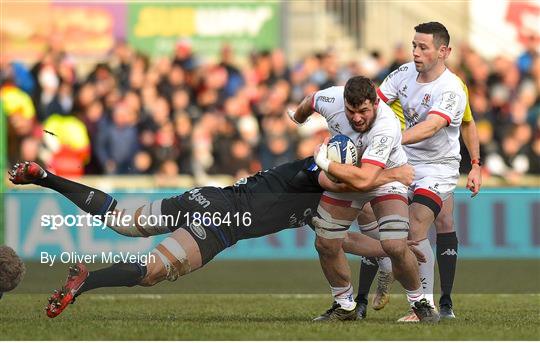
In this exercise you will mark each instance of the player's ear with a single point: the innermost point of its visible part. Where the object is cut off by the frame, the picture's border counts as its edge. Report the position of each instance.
(448, 51)
(444, 51)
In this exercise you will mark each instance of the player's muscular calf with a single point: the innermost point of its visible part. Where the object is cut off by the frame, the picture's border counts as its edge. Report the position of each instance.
(333, 261)
(392, 216)
(331, 232)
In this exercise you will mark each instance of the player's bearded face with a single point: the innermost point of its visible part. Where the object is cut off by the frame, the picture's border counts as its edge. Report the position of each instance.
(361, 118)
(426, 55)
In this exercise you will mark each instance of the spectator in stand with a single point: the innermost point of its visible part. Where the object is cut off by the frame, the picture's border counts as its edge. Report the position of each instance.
(511, 161)
(66, 145)
(142, 163)
(20, 112)
(181, 104)
(235, 80)
(183, 55)
(534, 156)
(62, 101)
(94, 119)
(183, 129)
(117, 142)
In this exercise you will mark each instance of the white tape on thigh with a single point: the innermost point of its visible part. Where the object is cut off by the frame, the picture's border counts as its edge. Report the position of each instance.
(333, 222)
(370, 230)
(175, 248)
(174, 258)
(393, 227)
(328, 227)
(328, 234)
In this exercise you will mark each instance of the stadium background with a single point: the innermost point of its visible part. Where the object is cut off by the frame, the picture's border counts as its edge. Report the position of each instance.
(149, 99)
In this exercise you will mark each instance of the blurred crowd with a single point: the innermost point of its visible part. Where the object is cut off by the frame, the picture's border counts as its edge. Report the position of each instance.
(183, 115)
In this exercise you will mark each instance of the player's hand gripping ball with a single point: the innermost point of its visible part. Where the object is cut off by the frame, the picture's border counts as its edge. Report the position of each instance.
(341, 149)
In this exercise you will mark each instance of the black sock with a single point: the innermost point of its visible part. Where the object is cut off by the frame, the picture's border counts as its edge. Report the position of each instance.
(368, 270)
(117, 275)
(447, 248)
(88, 199)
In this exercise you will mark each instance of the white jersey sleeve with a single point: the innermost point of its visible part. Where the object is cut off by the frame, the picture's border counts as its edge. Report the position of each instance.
(384, 141)
(388, 91)
(328, 102)
(450, 105)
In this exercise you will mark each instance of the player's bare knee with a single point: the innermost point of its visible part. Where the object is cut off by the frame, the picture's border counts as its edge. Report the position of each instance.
(395, 248)
(444, 223)
(328, 247)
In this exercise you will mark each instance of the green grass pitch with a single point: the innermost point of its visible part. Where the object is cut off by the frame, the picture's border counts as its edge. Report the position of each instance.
(269, 300)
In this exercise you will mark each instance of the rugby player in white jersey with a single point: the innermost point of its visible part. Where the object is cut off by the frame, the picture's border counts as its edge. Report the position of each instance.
(355, 111)
(433, 102)
(446, 242)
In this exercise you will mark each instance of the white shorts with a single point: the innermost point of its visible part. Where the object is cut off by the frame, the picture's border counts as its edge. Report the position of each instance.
(392, 190)
(437, 181)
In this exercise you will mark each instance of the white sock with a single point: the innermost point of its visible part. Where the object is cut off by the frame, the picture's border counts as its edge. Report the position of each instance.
(415, 295)
(344, 297)
(385, 264)
(427, 269)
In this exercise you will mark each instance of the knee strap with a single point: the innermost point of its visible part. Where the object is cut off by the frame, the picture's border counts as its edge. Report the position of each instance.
(328, 227)
(370, 230)
(393, 227)
(174, 258)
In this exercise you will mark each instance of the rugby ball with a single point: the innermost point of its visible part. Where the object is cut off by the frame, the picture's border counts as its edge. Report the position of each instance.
(341, 149)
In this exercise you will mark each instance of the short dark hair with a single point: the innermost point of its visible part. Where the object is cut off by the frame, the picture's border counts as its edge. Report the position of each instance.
(439, 32)
(358, 89)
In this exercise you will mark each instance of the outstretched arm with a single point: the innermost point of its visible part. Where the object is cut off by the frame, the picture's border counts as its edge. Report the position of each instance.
(303, 111)
(359, 244)
(470, 138)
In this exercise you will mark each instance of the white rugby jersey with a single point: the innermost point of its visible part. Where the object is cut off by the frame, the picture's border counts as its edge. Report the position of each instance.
(443, 97)
(381, 145)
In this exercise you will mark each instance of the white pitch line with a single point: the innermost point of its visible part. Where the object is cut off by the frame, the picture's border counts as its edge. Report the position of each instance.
(125, 296)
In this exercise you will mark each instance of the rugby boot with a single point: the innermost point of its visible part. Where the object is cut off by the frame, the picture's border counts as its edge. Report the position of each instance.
(361, 310)
(382, 296)
(425, 312)
(445, 306)
(336, 313)
(409, 318)
(61, 299)
(26, 172)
